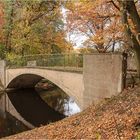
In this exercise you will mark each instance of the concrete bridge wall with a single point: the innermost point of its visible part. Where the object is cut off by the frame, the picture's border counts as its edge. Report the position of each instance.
(103, 76)
(70, 83)
(2, 73)
(2, 86)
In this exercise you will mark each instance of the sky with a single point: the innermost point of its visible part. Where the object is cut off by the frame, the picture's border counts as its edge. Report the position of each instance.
(75, 38)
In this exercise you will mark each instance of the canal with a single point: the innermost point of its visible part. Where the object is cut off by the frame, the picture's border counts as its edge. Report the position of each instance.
(39, 106)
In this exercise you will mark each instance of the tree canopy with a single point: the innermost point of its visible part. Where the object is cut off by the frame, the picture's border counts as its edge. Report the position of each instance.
(40, 26)
(34, 27)
(107, 23)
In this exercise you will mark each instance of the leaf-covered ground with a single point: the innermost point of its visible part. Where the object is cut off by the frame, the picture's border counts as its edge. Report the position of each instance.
(117, 118)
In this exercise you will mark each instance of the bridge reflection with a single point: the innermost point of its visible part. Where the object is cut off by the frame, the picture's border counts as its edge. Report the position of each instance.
(32, 108)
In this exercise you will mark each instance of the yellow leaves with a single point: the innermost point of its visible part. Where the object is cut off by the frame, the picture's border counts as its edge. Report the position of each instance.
(70, 5)
(36, 26)
(98, 39)
(26, 29)
(60, 41)
(26, 14)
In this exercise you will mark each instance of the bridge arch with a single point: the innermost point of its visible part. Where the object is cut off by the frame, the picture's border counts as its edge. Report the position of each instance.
(70, 83)
(24, 81)
(27, 106)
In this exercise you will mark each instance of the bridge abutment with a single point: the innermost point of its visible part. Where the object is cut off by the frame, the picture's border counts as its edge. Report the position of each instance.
(103, 76)
(2, 87)
(2, 73)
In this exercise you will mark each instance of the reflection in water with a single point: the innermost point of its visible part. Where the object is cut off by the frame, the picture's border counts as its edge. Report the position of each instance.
(10, 125)
(60, 101)
(33, 109)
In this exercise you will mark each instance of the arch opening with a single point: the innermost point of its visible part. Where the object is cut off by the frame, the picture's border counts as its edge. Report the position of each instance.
(30, 104)
(24, 81)
(32, 108)
(56, 98)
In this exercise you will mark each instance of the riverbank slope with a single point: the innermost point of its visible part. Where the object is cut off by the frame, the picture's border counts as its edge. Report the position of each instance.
(115, 118)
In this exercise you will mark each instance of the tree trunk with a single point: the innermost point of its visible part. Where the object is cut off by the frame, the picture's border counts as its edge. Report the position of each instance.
(113, 46)
(131, 37)
(137, 57)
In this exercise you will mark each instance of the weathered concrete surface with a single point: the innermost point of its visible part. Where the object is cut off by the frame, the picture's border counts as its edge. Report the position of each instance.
(131, 63)
(70, 83)
(2, 83)
(102, 77)
(31, 63)
(2, 72)
(132, 77)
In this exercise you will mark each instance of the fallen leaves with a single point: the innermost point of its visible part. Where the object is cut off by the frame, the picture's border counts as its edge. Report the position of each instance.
(115, 118)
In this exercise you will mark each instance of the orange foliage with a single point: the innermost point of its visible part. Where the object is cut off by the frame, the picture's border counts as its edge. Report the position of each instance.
(99, 20)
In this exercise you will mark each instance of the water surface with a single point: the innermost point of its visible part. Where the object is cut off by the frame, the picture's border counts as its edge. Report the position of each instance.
(39, 107)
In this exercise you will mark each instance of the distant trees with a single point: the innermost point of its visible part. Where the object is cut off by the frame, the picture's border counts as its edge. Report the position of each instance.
(2, 47)
(34, 27)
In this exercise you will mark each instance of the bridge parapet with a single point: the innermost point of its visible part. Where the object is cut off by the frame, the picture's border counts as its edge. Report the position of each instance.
(68, 62)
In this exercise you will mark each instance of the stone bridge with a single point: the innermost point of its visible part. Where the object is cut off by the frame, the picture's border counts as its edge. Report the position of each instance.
(102, 77)
(70, 83)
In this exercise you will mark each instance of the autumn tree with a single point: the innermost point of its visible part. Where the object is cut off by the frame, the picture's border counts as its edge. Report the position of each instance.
(106, 23)
(2, 48)
(97, 20)
(131, 23)
(35, 27)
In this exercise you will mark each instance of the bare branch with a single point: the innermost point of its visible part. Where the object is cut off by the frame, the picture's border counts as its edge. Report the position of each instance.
(115, 5)
(108, 46)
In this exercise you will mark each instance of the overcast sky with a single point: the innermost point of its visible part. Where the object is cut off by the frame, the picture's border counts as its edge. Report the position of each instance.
(75, 38)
